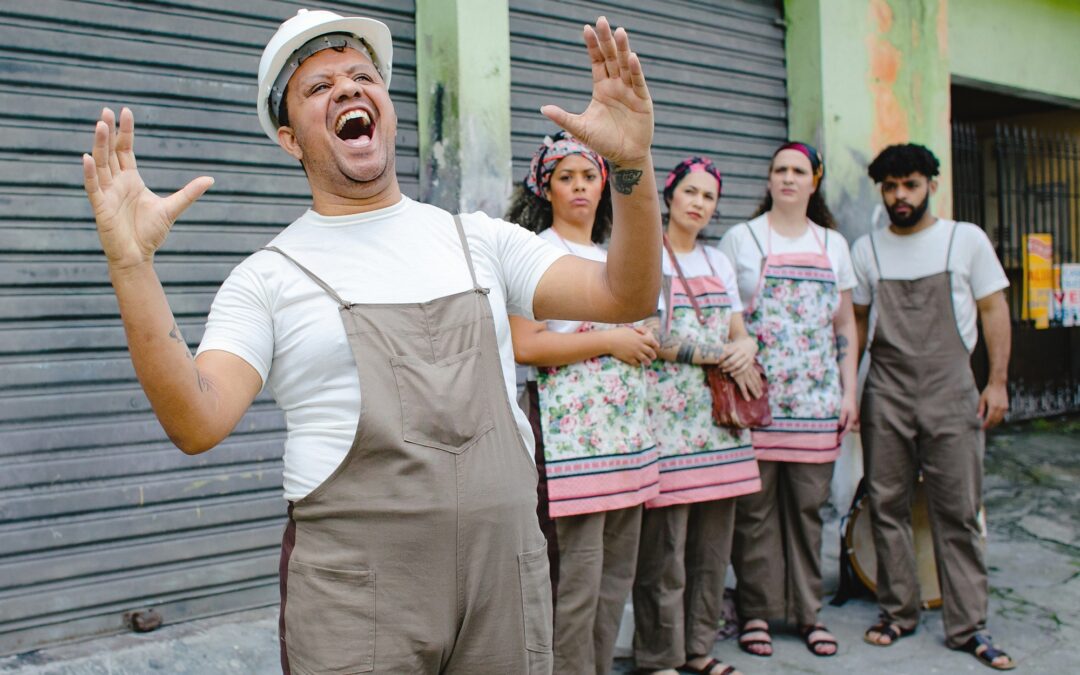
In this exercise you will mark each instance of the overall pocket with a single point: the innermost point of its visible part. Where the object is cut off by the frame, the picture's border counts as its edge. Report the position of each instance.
(444, 405)
(536, 604)
(330, 620)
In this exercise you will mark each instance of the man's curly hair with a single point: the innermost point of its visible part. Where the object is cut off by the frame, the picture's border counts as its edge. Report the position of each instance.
(903, 160)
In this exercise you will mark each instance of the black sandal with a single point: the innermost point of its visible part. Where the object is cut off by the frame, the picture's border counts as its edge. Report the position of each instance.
(706, 669)
(746, 644)
(989, 652)
(885, 628)
(812, 645)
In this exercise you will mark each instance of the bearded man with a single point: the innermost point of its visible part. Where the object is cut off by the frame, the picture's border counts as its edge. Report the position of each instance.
(412, 544)
(922, 282)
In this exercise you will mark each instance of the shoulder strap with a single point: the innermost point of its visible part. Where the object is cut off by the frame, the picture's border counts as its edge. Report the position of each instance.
(756, 240)
(686, 286)
(465, 247)
(322, 284)
(708, 260)
(948, 251)
(877, 262)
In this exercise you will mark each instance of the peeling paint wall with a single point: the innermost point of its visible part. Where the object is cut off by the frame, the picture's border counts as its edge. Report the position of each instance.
(864, 74)
(463, 94)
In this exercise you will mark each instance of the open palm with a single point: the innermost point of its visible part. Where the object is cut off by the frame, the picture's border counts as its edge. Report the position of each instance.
(132, 221)
(618, 122)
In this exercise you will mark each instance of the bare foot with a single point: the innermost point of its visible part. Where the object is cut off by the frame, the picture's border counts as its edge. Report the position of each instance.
(754, 638)
(818, 640)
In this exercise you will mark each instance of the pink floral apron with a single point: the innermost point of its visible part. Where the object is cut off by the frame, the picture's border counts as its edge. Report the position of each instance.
(699, 461)
(599, 453)
(791, 314)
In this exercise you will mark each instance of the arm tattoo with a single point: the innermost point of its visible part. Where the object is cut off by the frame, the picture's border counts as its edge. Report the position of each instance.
(175, 335)
(710, 353)
(204, 384)
(685, 353)
(841, 347)
(625, 180)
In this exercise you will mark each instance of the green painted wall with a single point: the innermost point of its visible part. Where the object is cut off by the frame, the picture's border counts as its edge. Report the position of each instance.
(864, 74)
(463, 94)
(1028, 45)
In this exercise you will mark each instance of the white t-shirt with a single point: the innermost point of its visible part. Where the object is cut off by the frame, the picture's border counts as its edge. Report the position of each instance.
(973, 262)
(590, 252)
(738, 245)
(694, 264)
(279, 321)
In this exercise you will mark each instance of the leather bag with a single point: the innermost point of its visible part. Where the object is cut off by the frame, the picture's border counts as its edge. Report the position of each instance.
(729, 408)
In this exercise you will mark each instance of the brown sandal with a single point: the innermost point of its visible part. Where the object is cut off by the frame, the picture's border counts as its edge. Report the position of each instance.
(988, 653)
(745, 644)
(812, 645)
(889, 630)
(707, 669)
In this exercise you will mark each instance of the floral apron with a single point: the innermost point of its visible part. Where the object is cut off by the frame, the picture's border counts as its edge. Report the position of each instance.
(699, 460)
(599, 454)
(791, 314)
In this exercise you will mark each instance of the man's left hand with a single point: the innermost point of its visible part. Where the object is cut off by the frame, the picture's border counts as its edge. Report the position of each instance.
(993, 404)
(618, 123)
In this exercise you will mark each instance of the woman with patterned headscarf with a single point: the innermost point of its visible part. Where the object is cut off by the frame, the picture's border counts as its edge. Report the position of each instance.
(595, 453)
(795, 278)
(687, 529)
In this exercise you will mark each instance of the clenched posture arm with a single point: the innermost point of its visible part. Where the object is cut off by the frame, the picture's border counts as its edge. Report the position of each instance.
(198, 401)
(844, 328)
(535, 345)
(618, 124)
(736, 358)
(862, 326)
(997, 331)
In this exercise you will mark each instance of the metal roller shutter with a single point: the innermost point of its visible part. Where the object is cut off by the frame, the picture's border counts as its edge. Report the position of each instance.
(715, 70)
(99, 513)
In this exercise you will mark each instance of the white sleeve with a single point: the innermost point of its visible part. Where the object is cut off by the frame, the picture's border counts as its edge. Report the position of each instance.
(726, 270)
(862, 293)
(985, 272)
(522, 258)
(841, 259)
(241, 322)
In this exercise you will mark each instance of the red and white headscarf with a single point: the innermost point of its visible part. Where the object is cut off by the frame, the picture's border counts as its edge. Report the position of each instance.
(550, 153)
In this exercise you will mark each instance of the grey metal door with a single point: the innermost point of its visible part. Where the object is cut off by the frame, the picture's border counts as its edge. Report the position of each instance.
(99, 514)
(715, 70)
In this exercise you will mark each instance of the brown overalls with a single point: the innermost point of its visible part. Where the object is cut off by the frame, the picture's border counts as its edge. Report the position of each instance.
(421, 553)
(919, 412)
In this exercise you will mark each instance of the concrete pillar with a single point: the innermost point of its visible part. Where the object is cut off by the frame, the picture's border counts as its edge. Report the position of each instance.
(463, 94)
(864, 74)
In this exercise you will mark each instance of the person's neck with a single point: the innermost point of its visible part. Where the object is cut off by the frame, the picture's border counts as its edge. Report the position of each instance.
(927, 220)
(578, 233)
(327, 203)
(682, 240)
(788, 221)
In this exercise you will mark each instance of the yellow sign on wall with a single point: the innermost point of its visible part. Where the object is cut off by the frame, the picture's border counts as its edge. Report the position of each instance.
(1038, 278)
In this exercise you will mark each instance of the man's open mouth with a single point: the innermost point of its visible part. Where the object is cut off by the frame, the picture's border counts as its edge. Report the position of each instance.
(354, 125)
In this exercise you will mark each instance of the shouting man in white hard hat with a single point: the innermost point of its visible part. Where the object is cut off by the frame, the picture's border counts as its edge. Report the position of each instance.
(380, 325)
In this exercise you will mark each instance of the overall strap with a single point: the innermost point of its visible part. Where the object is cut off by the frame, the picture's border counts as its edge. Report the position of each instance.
(686, 286)
(468, 254)
(877, 262)
(948, 251)
(322, 284)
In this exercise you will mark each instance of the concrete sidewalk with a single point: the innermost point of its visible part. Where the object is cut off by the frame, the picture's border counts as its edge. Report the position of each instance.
(1033, 509)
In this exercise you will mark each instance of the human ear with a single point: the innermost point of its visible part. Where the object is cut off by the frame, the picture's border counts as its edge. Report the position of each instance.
(287, 140)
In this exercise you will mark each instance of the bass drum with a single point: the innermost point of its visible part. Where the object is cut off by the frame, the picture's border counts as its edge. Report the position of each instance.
(859, 542)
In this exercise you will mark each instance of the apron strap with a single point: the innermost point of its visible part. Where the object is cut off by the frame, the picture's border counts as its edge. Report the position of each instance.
(322, 284)
(756, 241)
(877, 261)
(712, 270)
(686, 286)
(948, 251)
(468, 254)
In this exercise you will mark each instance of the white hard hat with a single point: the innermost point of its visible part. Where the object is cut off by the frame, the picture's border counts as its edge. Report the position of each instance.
(298, 31)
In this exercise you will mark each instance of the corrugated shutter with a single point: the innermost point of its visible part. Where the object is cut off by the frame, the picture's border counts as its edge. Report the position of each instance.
(99, 513)
(715, 70)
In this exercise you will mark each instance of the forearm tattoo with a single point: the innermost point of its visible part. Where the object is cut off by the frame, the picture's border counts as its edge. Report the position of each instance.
(841, 347)
(624, 180)
(685, 353)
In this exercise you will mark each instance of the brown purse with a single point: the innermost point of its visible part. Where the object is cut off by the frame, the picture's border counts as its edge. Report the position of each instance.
(729, 408)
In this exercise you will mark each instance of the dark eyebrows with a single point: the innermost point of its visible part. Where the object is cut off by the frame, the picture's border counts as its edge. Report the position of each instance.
(326, 74)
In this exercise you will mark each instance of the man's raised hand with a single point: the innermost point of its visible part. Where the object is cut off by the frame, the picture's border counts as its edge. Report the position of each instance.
(132, 221)
(618, 123)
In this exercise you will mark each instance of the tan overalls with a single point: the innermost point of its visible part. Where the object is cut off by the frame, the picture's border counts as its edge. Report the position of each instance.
(919, 412)
(421, 553)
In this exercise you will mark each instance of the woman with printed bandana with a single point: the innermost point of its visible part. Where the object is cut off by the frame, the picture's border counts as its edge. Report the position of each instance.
(687, 528)
(594, 452)
(795, 278)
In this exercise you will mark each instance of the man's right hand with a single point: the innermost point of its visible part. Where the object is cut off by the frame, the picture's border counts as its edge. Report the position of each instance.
(132, 221)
